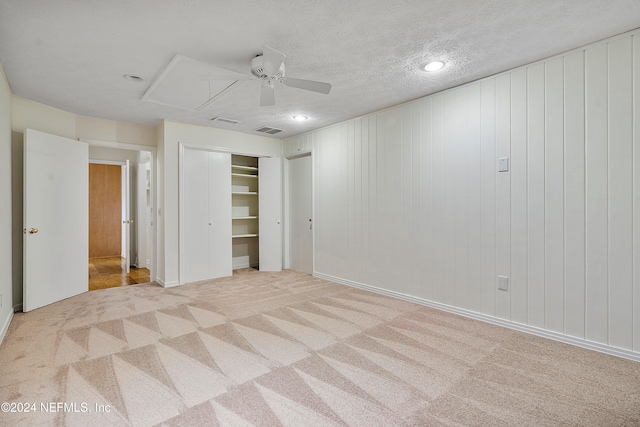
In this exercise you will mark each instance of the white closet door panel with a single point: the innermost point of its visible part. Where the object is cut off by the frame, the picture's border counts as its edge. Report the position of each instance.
(270, 212)
(196, 215)
(300, 226)
(219, 222)
(318, 202)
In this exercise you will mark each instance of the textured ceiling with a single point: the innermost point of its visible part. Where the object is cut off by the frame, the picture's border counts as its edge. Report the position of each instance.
(73, 54)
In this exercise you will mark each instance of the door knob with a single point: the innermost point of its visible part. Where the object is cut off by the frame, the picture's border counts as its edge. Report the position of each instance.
(33, 230)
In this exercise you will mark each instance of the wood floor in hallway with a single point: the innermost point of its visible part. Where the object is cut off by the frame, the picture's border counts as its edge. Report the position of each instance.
(110, 273)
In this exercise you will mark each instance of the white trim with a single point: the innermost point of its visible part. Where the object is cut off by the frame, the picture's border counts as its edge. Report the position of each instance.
(181, 256)
(286, 217)
(5, 327)
(120, 145)
(579, 342)
(107, 162)
(169, 284)
(217, 149)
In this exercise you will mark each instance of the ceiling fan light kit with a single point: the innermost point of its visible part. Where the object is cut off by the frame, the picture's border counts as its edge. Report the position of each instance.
(180, 84)
(269, 67)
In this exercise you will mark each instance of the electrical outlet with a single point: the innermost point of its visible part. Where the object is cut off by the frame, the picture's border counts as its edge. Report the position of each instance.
(503, 283)
(503, 164)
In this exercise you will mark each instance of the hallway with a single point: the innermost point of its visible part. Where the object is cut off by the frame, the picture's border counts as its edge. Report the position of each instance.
(110, 272)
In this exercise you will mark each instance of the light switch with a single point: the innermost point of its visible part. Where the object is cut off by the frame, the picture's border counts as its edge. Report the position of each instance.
(503, 164)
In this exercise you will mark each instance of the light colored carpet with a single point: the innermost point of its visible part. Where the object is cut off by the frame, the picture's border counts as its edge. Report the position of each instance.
(271, 349)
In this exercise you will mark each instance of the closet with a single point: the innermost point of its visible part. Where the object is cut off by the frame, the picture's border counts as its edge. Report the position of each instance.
(207, 215)
(244, 211)
(232, 207)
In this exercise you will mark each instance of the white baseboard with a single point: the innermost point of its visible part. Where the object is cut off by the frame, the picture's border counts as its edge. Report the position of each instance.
(5, 326)
(603, 348)
(168, 284)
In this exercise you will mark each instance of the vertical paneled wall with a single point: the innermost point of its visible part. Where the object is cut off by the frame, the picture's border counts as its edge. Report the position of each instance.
(410, 199)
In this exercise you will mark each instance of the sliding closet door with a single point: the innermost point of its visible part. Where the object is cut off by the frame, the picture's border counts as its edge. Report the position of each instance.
(196, 215)
(270, 208)
(207, 215)
(220, 215)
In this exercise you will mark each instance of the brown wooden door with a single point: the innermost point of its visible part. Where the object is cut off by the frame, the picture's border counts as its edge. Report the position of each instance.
(105, 210)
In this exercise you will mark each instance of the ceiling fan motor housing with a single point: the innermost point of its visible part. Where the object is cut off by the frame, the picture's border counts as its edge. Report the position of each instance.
(257, 69)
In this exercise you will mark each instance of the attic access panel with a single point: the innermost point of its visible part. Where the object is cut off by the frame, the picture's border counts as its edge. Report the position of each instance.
(184, 84)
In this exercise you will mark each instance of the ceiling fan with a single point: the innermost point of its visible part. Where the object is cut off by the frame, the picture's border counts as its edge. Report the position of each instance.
(270, 70)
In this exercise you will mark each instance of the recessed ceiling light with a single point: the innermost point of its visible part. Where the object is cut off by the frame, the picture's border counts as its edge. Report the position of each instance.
(300, 118)
(134, 78)
(434, 66)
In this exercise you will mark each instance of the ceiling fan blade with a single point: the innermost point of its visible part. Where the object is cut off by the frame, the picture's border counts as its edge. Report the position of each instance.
(311, 85)
(272, 60)
(267, 95)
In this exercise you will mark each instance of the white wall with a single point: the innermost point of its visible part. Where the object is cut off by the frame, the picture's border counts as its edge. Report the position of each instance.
(30, 114)
(6, 309)
(409, 200)
(168, 146)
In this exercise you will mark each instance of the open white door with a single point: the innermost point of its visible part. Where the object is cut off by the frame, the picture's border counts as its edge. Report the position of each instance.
(270, 213)
(56, 218)
(126, 216)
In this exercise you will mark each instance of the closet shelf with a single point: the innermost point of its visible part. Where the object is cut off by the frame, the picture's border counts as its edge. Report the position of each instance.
(244, 175)
(244, 168)
(245, 193)
(239, 236)
(245, 217)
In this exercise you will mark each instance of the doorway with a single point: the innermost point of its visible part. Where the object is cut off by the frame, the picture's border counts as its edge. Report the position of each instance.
(121, 205)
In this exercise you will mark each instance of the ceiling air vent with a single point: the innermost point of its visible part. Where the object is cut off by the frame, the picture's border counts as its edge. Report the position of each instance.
(270, 131)
(223, 120)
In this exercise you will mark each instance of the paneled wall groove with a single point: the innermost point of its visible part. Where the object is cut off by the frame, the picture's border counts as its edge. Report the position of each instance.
(409, 200)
